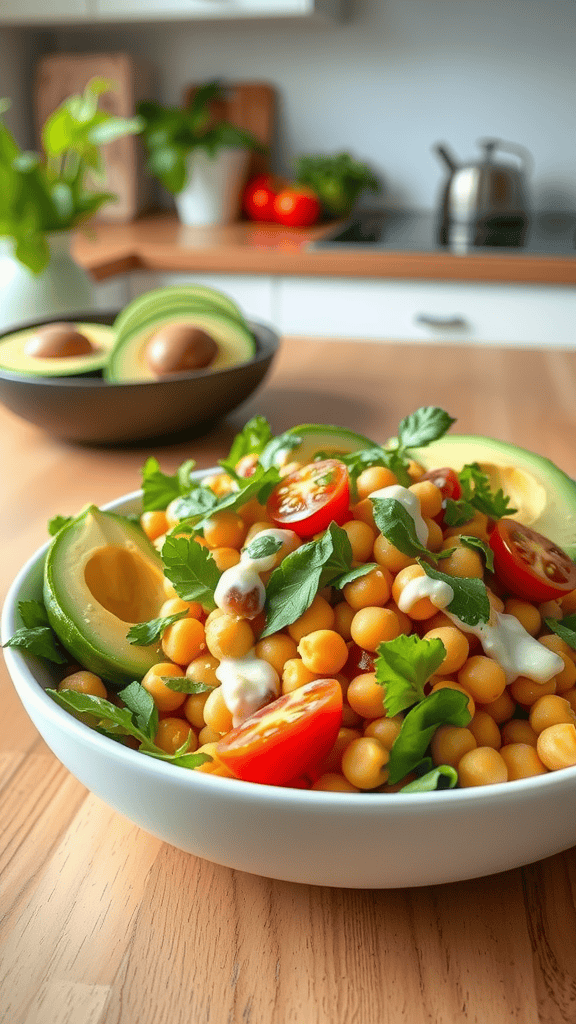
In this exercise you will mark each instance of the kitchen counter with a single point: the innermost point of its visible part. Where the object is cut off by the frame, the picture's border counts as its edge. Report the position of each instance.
(160, 243)
(103, 924)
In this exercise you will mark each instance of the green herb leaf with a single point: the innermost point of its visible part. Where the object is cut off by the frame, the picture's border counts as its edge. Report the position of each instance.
(158, 488)
(443, 707)
(39, 640)
(191, 570)
(263, 546)
(404, 666)
(442, 777)
(33, 613)
(479, 545)
(118, 721)
(397, 525)
(458, 512)
(476, 490)
(354, 574)
(181, 684)
(564, 628)
(57, 523)
(278, 450)
(200, 502)
(295, 582)
(141, 704)
(357, 462)
(423, 426)
(145, 633)
(470, 603)
(260, 485)
(252, 440)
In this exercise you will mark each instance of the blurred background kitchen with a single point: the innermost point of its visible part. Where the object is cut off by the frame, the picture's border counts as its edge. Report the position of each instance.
(383, 80)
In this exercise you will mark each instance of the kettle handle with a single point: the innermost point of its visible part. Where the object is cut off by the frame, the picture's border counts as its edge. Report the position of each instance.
(510, 147)
(446, 156)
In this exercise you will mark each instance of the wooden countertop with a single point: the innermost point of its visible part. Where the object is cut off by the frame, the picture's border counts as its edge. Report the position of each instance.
(161, 243)
(102, 924)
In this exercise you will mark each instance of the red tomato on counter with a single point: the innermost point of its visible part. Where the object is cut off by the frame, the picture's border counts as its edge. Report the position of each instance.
(530, 565)
(284, 740)
(309, 499)
(297, 206)
(259, 196)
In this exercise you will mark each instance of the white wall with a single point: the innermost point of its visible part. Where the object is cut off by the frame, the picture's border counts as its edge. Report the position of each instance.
(398, 76)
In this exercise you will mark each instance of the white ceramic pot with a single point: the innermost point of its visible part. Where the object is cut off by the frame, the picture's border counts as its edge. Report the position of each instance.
(213, 192)
(62, 289)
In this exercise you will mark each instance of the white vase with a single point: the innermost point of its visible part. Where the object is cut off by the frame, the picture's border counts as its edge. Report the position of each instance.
(62, 289)
(214, 189)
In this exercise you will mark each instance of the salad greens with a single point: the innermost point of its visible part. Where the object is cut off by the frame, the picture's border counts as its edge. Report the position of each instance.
(470, 603)
(337, 180)
(404, 666)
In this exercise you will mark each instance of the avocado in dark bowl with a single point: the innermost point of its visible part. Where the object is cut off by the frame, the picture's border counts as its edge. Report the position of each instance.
(92, 410)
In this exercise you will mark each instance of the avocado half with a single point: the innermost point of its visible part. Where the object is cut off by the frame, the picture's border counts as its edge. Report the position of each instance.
(138, 312)
(127, 360)
(543, 494)
(14, 358)
(304, 442)
(101, 576)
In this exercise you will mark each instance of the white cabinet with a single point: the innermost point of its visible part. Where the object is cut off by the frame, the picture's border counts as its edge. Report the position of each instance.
(21, 12)
(526, 315)
(39, 12)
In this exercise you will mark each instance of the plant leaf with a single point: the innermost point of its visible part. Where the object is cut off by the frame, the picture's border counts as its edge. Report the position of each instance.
(191, 570)
(404, 666)
(145, 633)
(443, 707)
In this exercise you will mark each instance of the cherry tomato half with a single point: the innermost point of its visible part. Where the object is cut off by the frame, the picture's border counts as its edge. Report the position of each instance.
(288, 737)
(447, 481)
(530, 565)
(307, 500)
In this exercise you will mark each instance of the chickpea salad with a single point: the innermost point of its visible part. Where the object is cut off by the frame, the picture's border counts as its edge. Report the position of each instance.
(327, 613)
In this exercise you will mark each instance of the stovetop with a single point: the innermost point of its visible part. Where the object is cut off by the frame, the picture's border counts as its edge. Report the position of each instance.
(551, 234)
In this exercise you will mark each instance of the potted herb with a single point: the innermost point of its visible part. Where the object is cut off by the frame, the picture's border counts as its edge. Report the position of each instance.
(202, 162)
(42, 198)
(337, 180)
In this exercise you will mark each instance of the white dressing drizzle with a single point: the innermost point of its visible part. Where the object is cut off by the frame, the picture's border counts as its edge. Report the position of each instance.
(236, 583)
(437, 591)
(410, 502)
(505, 639)
(248, 684)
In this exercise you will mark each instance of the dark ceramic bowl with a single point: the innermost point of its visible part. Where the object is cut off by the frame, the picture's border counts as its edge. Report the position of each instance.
(91, 410)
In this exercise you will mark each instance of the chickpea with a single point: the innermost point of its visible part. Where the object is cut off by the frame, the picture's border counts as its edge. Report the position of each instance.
(372, 625)
(361, 537)
(456, 646)
(429, 496)
(164, 698)
(390, 557)
(350, 719)
(374, 479)
(550, 610)
(517, 730)
(171, 516)
(522, 761)
(84, 682)
(482, 766)
(172, 605)
(483, 678)
(332, 782)
(154, 524)
(485, 730)
(566, 678)
(526, 692)
(556, 746)
(216, 713)
(168, 588)
(450, 743)
(384, 729)
(184, 640)
(228, 637)
(568, 603)
(318, 616)
(364, 511)
(570, 696)
(295, 674)
(371, 589)
(194, 709)
(172, 733)
(324, 652)
(225, 558)
(276, 649)
(476, 527)
(422, 608)
(333, 761)
(526, 613)
(366, 697)
(404, 621)
(550, 710)
(253, 512)
(500, 709)
(203, 670)
(343, 615)
(415, 471)
(207, 735)
(462, 562)
(435, 535)
(225, 530)
(365, 763)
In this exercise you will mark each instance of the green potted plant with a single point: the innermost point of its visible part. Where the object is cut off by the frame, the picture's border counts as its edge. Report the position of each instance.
(43, 198)
(337, 180)
(202, 163)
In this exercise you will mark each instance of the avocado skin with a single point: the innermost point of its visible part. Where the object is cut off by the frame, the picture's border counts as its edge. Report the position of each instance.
(99, 653)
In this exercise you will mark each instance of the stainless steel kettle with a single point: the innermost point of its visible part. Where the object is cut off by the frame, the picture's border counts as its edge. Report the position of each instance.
(485, 202)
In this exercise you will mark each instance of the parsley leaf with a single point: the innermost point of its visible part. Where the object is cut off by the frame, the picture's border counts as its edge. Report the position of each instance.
(564, 628)
(423, 426)
(442, 777)
(479, 545)
(181, 684)
(470, 603)
(252, 440)
(159, 489)
(295, 582)
(145, 633)
(142, 705)
(444, 707)
(191, 570)
(278, 449)
(403, 667)
(57, 523)
(475, 486)
(260, 485)
(397, 525)
(263, 547)
(458, 512)
(39, 640)
(200, 502)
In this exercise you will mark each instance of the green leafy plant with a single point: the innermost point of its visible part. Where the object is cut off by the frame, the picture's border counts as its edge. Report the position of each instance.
(172, 133)
(42, 194)
(337, 180)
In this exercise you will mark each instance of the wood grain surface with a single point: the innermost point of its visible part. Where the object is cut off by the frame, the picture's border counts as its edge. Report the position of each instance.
(103, 924)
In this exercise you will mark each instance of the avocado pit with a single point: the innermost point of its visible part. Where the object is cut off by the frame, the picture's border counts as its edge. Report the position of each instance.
(179, 348)
(58, 341)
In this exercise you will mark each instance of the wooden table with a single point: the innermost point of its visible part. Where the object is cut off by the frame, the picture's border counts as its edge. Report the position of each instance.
(102, 924)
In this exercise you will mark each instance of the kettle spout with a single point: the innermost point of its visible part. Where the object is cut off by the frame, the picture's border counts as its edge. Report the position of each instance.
(446, 156)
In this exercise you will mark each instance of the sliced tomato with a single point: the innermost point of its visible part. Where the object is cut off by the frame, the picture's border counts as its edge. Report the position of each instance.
(309, 499)
(528, 564)
(288, 737)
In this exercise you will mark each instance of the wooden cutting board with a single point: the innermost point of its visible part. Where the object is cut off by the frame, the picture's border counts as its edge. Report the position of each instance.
(247, 105)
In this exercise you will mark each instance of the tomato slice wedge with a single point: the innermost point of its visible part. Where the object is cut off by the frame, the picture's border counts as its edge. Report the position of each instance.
(309, 499)
(530, 565)
(285, 739)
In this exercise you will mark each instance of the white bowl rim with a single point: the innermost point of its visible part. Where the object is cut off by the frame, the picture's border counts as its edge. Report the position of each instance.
(520, 790)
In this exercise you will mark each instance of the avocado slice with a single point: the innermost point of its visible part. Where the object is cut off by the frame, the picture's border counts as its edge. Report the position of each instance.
(304, 442)
(101, 576)
(543, 494)
(140, 310)
(127, 360)
(14, 358)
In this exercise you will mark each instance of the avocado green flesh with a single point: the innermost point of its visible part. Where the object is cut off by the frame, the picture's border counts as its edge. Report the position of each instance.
(143, 308)
(321, 437)
(127, 361)
(543, 494)
(14, 358)
(101, 576)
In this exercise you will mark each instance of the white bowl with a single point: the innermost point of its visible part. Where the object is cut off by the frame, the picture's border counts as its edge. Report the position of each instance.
(352, 840)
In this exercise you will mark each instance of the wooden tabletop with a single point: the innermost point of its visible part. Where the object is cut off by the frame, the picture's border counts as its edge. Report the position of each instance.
(102, 924)
(159, 242)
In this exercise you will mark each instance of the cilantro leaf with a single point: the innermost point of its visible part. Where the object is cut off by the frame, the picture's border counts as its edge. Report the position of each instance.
(470, 603)
(476, 489)
(479, 545)
(442, 777)
(252, 440)
(145, 633)
(159, 489)
(181, 684)
(141, 704)
(423, 426)
(57, 523)
(403, 667)
(191, 570)
(295, 582)
(260, 485)
(38, 638)
(458, 512)
(397, 525)
(443, 707)
(564, 628)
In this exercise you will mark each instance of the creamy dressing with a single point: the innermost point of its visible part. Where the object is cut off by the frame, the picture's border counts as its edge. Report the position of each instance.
(267, 561)
(240, 587)
(412, 505)
(439, 593)
(248, 684)
(519, 654)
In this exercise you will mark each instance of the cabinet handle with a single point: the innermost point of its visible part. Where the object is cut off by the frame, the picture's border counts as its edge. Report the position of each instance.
(441, 323)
